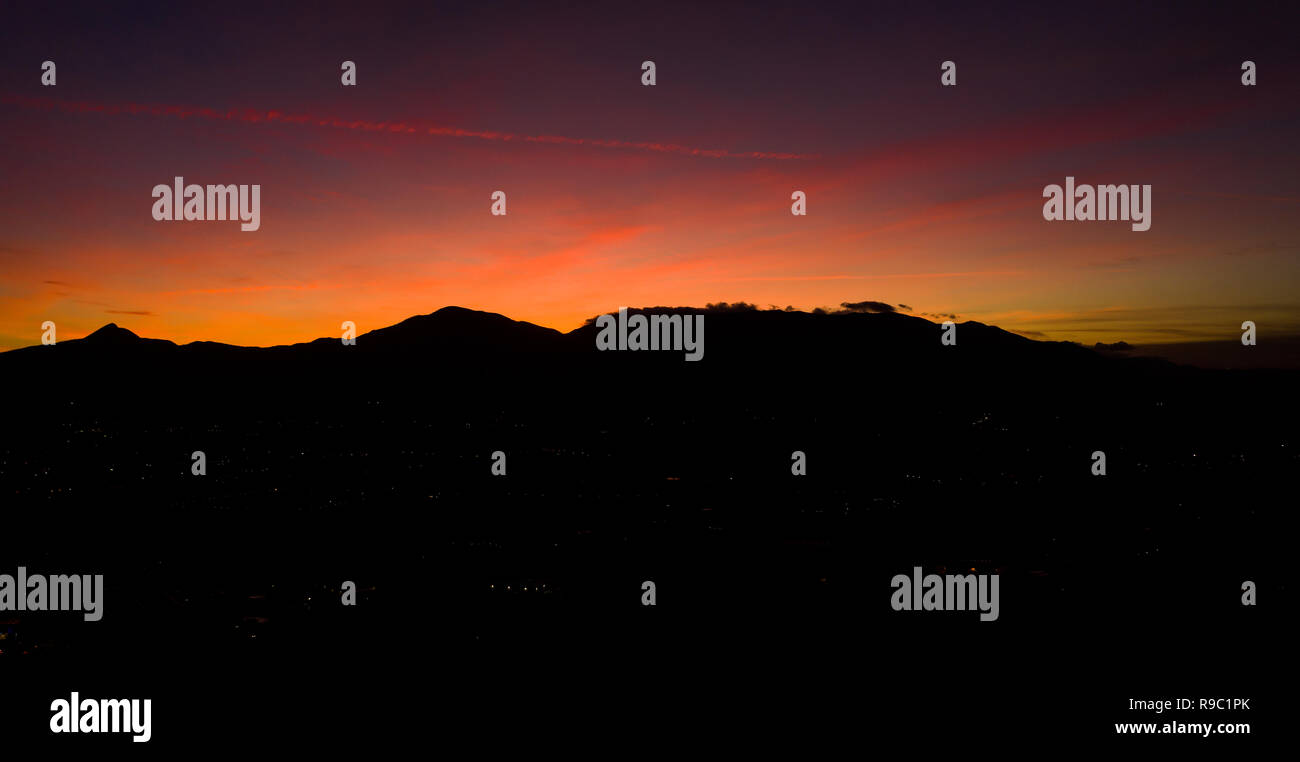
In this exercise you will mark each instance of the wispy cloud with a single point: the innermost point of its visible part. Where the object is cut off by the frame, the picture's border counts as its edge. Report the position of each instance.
(404, 127)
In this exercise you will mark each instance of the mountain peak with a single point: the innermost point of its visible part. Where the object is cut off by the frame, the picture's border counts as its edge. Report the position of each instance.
(459, 327)
(112, 332)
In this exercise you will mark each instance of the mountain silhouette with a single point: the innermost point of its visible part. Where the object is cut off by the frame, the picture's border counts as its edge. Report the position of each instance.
(872, 342)
(112, 336)
(457, 328)
(451, 329)
(732, 334)
(750, 357)
(328, 462)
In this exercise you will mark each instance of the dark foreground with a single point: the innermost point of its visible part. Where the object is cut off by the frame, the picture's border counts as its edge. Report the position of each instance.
(508, 609)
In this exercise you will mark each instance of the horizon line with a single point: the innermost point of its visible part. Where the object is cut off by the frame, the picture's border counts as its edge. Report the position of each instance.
(709, 308)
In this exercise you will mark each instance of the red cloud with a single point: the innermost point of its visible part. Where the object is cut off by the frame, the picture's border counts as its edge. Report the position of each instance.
(418, 127)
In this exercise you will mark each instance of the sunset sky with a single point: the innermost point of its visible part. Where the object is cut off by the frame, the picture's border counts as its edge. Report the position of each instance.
(375, 198)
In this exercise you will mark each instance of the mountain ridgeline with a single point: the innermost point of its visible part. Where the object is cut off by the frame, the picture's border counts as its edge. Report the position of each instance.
(872, 372)
(849, 380)
(455, 342)
(377, 462)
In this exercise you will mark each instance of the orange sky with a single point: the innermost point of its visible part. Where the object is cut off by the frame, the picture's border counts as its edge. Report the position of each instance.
(375, 204)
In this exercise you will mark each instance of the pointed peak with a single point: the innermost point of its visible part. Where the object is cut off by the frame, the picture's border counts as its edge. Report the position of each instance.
(112, 332)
